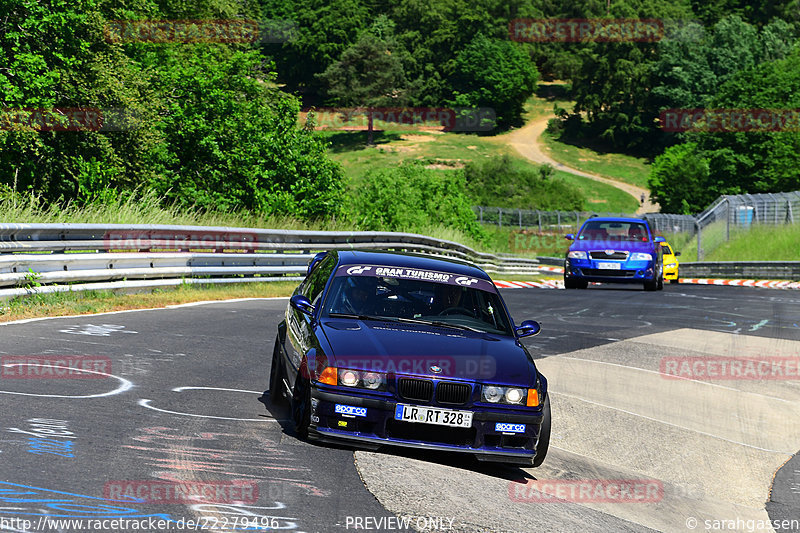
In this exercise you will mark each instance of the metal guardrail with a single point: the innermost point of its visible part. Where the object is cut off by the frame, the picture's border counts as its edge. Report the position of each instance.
(33, 257)
(788, 270)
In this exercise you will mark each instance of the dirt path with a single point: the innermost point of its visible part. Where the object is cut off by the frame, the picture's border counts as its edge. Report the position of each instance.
(527, 142)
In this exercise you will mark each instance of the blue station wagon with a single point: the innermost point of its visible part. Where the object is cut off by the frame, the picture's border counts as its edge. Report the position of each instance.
(614, 250)
(381, 348)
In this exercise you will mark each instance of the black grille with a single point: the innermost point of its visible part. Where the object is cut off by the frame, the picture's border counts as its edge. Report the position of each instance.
(603, 255)
(420, 390)
(608, 273)
(453, 393)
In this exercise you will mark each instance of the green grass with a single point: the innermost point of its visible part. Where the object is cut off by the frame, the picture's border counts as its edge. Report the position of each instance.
(393, 146)
(600, 196)
(592, 157)
(89, 302)
(597, 160)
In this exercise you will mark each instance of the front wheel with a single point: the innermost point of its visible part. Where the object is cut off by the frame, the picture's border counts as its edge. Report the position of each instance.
(544, 434)
(301, 406)
(276, 395)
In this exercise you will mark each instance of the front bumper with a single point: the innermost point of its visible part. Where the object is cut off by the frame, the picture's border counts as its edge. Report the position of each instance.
(671, 273)
(628, 271)
(377, 427)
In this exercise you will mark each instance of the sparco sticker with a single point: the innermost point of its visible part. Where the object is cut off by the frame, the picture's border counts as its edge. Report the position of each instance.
(415, 274)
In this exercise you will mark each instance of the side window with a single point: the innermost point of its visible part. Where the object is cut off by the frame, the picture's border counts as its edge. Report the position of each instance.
(315, 283)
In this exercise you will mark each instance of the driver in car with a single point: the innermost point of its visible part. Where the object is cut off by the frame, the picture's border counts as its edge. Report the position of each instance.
(356, 296)
(450, 298)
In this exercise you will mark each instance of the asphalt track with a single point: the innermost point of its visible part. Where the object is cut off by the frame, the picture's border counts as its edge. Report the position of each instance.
(179, 395)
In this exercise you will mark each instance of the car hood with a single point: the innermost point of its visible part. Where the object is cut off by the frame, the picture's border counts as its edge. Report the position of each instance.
(629, 246)
(412, 349)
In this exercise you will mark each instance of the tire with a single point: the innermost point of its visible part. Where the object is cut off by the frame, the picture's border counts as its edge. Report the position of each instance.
(544, 435)
(650, 285)
(301, 406)
(276, 389)
(569, 283)
(674, 280)
(581, 284)
(660, 285)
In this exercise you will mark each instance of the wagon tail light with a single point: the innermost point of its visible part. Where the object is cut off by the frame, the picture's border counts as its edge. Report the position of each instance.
(533, 398)
(329, 376)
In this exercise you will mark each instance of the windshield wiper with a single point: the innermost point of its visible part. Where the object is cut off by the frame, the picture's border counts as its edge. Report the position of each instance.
(358, 317)
(439, 323)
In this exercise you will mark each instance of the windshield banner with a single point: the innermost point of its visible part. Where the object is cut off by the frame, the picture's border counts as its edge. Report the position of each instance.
(416, 274)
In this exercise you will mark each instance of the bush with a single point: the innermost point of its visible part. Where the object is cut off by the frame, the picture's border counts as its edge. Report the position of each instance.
(499, 182)
(412, 198)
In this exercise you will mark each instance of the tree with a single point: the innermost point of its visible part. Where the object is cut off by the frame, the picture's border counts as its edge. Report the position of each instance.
(732, 161)
(368, 74)
(496, 74)
(678, 178)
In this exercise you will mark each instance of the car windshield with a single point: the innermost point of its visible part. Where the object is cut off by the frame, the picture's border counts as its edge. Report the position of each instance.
(614, 231)
(418, 301)
(667, 249)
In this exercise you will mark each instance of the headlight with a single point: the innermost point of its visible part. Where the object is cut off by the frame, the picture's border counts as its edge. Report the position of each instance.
(362, 379)
(670, 265)
(349, 377)
(507, 395)
(577, 255)
(514, 395)
(372, 380)
(492, 394)
(640, 257)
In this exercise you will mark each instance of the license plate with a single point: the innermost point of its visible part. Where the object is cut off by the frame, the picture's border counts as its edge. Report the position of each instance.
(608, 266)
(432, 415)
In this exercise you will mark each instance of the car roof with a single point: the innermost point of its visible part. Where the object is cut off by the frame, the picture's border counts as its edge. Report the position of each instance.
(410, 260)
(616, 219)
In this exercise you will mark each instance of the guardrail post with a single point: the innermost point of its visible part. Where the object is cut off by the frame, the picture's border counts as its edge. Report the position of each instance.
(480, 211)
(500, 216)
(699, 241)
(728, 219)
(539, 214)
(520, 218)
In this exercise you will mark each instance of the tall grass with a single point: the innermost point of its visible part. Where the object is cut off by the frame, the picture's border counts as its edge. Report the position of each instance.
(148, 208)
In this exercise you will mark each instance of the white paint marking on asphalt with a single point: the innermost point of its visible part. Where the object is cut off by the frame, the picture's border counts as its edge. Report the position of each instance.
(146, 403)
(181, 389)
(789, 453)
(124, 383)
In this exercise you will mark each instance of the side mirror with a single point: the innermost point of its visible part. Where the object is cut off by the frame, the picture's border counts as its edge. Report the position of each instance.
(659, 239)
(302, 304)
(528, 328)
(677, 254)
(570, 236)
(316, 259)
